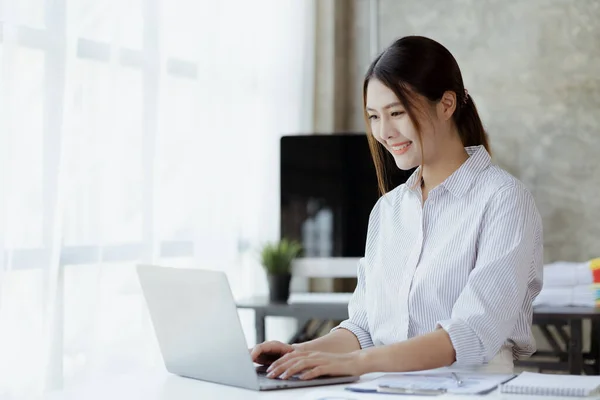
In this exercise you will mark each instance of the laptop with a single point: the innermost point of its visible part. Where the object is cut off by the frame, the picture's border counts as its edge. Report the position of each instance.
(199, 332)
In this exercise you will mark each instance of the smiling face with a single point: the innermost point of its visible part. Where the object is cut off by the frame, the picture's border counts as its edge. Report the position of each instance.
(395, 130)
(418, 109)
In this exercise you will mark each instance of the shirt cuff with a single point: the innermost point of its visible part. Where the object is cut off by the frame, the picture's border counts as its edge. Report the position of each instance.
(467, 345)
(364, 338)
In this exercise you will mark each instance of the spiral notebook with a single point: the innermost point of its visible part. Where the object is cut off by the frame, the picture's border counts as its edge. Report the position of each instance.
(553, 385)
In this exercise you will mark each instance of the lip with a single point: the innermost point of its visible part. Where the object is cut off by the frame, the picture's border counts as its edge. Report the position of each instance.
(402, 151)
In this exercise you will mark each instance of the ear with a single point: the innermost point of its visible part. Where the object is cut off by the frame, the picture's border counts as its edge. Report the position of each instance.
(447, 105)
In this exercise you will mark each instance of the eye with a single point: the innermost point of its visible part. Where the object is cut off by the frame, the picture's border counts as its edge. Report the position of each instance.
(373, 117)
(397, 113)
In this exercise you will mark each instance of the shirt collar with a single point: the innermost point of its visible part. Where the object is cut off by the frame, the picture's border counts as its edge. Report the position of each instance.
(411, 182)
(461, 180)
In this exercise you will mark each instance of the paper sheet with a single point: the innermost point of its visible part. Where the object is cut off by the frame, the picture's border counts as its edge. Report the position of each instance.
(472, 383)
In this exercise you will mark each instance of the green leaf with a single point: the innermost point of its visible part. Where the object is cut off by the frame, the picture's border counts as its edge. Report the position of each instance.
(276, 258)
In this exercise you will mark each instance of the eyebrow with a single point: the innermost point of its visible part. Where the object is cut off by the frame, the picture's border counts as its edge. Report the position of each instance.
(394, 104)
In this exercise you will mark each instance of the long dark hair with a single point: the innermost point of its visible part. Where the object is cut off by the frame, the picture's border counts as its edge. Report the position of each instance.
(416, 64)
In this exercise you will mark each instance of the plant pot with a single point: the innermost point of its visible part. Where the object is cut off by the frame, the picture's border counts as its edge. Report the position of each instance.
(279, 287)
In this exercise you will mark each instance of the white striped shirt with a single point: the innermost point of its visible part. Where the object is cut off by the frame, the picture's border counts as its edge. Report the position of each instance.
(468, 260)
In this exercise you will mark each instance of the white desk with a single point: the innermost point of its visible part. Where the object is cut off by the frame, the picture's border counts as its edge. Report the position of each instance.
(159, 385)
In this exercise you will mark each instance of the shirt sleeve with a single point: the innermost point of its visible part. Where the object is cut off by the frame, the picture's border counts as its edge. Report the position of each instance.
(357, 322)
(505, 280)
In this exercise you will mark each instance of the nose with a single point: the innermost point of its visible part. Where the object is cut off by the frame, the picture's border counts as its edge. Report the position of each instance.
(387, 130)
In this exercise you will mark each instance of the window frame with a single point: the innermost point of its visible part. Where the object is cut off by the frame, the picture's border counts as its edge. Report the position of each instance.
(52, 41)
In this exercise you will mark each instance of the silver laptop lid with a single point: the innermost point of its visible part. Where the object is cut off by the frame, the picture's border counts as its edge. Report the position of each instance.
(197, 325)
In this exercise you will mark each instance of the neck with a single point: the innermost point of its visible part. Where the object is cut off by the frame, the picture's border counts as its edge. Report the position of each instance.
(436, 171)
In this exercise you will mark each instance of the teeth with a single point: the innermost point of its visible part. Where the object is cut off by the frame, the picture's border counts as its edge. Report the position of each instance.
(396, 148)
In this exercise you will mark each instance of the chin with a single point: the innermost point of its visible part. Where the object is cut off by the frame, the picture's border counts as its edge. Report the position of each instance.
(405, 163)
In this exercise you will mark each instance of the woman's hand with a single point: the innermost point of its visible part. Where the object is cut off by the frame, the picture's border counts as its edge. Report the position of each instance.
(267, 352)
(315, 364)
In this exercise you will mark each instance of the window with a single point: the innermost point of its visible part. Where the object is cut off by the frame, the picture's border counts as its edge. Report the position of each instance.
(105, 194)
(25, 116)
(78, 142)
(128, 134)
(110, 92)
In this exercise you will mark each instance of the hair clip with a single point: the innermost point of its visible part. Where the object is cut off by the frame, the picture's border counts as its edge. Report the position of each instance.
(466, 96)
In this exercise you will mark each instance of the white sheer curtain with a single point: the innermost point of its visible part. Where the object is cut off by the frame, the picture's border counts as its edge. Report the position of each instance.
(134, 131)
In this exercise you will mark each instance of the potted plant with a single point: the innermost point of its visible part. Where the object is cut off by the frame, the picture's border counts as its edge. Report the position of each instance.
(276, 259)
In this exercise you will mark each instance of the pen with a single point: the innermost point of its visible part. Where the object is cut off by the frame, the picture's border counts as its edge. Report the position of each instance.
(459, 382)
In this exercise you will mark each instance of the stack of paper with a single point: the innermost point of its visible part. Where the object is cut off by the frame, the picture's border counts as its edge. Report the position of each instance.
(571, 284)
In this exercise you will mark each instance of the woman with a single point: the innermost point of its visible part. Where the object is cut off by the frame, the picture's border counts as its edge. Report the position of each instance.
(453, 259)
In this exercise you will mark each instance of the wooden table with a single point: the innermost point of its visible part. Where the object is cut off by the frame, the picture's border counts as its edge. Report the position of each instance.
(568, 355)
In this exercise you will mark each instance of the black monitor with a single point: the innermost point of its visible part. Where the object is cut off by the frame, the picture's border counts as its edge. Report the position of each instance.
(328, 189)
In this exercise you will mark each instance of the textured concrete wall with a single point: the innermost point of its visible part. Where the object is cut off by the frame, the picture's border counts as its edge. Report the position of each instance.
(533, 69)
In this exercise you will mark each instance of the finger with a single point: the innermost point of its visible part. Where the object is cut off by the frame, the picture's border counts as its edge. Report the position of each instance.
(255, 354)
(285, 358)
(272, 347)
(284, 368)
(317, 371)
(294, 366)
(268, 346)
(280, 362)
(251, 351)
(263, 348)
(255, 351)
(267, 360)
(301, 366)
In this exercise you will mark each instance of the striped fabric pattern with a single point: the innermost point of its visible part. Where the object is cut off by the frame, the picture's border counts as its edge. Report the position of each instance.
(468, 260)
